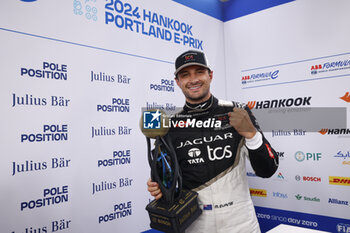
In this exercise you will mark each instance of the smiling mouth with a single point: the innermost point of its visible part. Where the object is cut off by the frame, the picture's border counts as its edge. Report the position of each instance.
(195, 87)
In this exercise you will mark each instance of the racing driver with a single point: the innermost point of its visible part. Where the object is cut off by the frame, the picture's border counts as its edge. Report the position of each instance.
(212, 160)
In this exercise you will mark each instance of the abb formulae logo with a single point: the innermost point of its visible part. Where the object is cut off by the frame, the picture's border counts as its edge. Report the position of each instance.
(337, 180)
(334, 131)
(258, 192)
(247, 77)
(346, 97)
(315, 68)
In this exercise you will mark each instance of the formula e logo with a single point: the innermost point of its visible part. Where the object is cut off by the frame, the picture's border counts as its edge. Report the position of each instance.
(151, 119)
(194, 152)
(219, 153)
(343, 228)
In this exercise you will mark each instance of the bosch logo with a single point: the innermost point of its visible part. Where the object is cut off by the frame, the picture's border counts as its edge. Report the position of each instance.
(309, 178)
(297, 177)
(194, 152)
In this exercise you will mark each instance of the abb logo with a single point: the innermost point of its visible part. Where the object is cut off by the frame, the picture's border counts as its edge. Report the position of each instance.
(310, 178)
(316, 67)
(245, 77)
(258, 192)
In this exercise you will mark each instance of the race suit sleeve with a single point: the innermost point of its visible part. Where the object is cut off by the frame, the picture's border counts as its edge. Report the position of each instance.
(263, 158)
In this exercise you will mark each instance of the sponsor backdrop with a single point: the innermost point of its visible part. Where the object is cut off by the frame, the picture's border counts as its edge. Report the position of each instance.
(75, 75)
(295, 58)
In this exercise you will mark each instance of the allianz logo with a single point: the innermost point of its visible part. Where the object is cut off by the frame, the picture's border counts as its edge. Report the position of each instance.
(280, 195)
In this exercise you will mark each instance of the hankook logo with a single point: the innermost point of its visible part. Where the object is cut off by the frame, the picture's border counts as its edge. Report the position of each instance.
(346, 97)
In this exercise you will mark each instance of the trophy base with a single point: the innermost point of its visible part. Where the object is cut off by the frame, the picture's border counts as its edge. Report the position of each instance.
(174, 217)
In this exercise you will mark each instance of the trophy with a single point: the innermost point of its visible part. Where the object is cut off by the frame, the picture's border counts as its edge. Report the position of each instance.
(177, 208)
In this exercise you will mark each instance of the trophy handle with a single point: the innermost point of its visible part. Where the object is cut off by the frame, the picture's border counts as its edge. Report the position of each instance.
(169, 194)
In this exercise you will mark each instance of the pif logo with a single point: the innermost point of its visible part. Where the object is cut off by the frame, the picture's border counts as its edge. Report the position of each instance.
(337, 180)
(300, 156)
(258, 192)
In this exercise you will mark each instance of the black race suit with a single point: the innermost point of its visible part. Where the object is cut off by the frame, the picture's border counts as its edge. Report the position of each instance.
(212, 162)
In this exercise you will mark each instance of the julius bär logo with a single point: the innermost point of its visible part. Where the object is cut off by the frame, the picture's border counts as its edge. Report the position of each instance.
(346, 97)
(151, 119)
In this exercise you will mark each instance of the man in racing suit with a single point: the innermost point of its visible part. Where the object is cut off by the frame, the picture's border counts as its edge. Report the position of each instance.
(212, 159)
